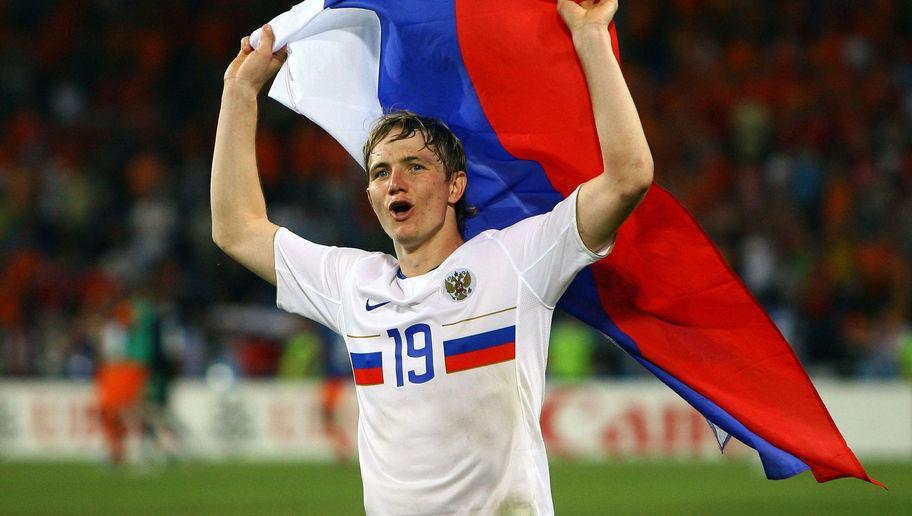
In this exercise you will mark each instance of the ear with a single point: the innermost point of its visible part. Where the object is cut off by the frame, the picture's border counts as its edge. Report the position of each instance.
(457, 186)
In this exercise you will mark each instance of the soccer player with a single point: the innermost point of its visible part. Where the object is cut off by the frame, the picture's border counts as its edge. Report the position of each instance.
(448, 339)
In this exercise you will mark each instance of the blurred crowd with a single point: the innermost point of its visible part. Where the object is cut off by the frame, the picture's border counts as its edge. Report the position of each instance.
(784, 127)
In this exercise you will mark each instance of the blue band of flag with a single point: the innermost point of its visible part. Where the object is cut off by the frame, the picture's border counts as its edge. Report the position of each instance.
(479, 341)
(367, 360)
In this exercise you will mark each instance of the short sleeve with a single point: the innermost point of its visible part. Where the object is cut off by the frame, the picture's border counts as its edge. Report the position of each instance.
(309, 277)
(548, 251)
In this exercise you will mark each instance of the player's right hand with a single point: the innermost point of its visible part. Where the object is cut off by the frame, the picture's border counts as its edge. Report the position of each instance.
(253, 67)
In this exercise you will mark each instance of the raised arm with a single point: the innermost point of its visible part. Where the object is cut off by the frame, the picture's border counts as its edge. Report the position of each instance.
(239, 223)
(606, 200)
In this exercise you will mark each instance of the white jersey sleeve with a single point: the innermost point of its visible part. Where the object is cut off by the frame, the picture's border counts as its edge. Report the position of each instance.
(309, 277)
(547, 250)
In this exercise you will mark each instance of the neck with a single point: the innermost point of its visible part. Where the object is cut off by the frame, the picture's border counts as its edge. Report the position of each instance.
(415, 261)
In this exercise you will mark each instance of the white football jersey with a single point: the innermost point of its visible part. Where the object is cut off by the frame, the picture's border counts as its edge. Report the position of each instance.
(449, 366)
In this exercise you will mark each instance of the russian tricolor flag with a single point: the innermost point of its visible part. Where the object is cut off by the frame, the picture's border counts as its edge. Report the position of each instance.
(490, 347)
(367, 368)
(504, 75)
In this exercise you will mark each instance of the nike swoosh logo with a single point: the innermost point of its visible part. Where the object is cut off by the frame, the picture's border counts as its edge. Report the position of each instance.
(368, 306)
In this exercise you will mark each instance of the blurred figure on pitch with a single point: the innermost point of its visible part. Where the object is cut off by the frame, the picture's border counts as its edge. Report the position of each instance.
(313, 352)
(160, 328)
(121, 379)
(337, 373)
(571, 354)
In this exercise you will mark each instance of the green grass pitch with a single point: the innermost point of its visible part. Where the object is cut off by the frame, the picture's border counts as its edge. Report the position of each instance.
(729, 488)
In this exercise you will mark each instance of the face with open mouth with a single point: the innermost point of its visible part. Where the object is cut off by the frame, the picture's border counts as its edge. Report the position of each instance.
(408, 190)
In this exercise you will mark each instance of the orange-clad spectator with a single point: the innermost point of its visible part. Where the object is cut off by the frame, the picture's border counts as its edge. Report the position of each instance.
(121, 380)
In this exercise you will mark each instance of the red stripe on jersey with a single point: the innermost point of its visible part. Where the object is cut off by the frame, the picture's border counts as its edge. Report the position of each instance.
(481, 357)
(369, 376)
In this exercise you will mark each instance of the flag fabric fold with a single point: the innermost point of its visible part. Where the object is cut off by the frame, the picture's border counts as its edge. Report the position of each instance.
(504, 76)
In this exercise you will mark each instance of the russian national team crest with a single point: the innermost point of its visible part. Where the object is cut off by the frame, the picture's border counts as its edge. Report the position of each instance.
(459, 284)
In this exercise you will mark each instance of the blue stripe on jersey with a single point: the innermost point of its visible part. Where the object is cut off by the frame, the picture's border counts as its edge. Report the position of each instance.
(479, 341)
(367, 360)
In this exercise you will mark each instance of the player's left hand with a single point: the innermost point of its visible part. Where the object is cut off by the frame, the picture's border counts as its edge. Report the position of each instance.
(587, 14)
